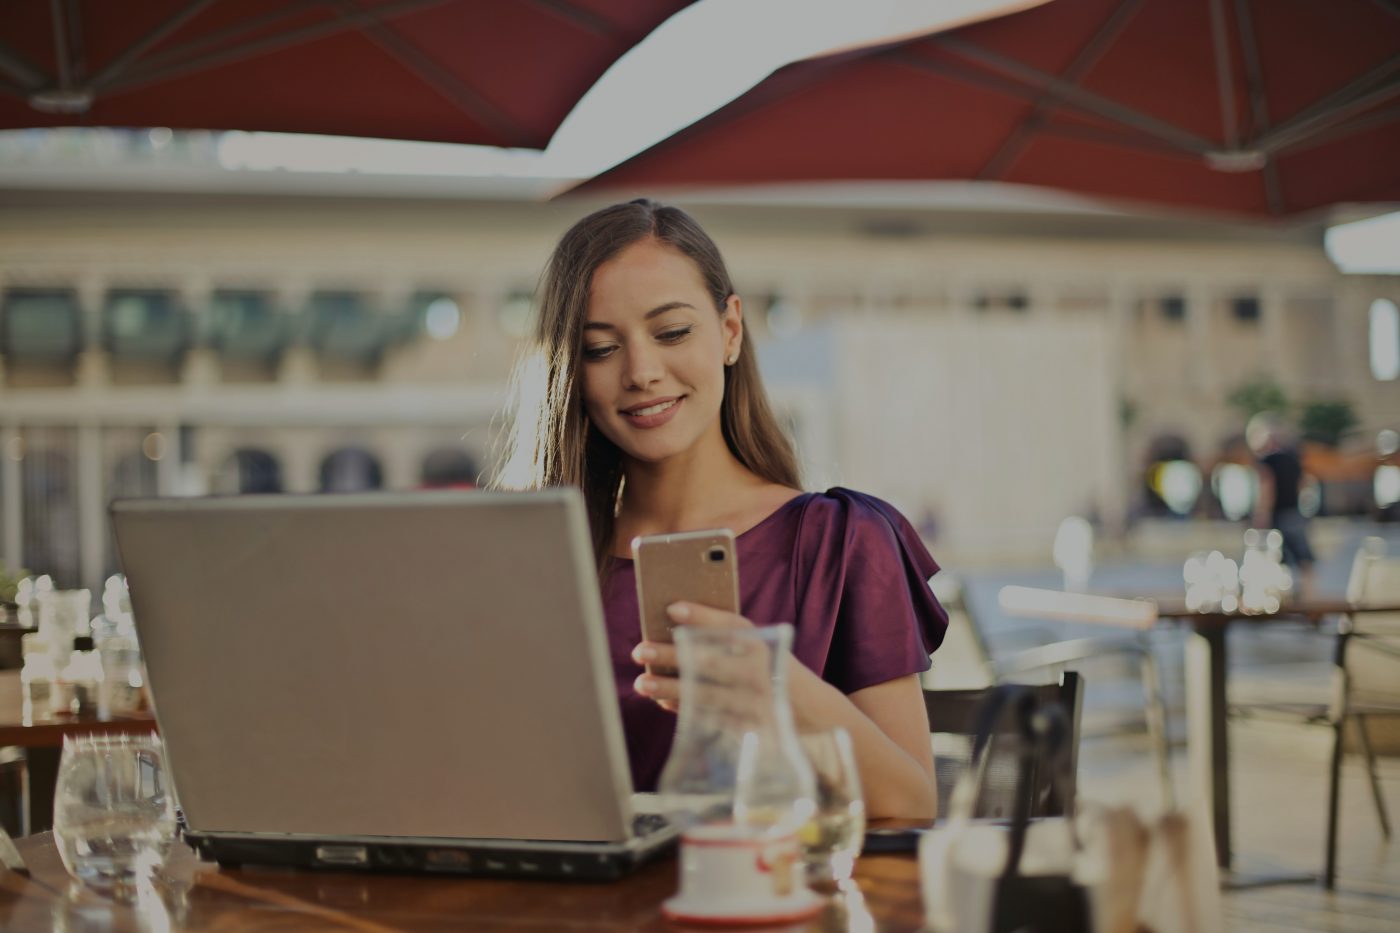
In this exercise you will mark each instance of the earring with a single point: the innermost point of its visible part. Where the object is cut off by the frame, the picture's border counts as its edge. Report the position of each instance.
(733, 358)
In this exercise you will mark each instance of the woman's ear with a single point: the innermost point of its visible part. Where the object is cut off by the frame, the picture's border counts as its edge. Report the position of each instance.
(733, 326)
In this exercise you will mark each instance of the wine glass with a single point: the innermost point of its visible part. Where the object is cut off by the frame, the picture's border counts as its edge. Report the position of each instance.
(832, 840)
(114, 813)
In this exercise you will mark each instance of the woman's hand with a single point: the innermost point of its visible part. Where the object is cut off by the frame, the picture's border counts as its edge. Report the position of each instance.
(887, 722)
(659, 656)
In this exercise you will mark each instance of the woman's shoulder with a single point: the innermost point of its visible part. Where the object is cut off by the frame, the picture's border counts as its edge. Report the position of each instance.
(852, 509)
(850, 521)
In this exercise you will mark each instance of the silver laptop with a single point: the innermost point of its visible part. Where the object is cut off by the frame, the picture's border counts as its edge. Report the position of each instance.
(397, 681)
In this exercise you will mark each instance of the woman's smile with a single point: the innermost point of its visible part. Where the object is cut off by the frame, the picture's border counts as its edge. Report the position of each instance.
(653, 414)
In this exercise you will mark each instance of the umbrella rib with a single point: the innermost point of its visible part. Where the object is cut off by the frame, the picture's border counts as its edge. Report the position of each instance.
(1108, 137)
(1108, 32)
(1078, 97)
(1356, 96)
(156, 73)
(145, 43)
(191, 49)
(1220, 36)
(60, 44)
(439, 78)
(1258, 105)
(75, 41)
(1333, 133)
(589, 21)
(13, 64)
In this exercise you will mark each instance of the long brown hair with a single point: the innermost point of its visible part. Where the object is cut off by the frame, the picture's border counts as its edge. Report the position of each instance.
(553, 443)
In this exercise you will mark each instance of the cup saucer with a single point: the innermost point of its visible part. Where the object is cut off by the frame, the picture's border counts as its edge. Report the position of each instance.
(800, 905)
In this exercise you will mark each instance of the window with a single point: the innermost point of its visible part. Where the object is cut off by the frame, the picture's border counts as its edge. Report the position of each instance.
(436, 314)
(1385, 340)
(1170, 307)
(146, 325)
(1245, 309)
(1236, 487)
(249, 470)
(244, 325)
(344, 328)
(351, 469)
(40, 326)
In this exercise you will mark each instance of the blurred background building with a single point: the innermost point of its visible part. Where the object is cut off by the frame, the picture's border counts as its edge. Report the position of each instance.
(170, 326)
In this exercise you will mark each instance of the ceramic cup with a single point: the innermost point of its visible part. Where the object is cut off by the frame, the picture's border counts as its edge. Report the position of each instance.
(740, 873)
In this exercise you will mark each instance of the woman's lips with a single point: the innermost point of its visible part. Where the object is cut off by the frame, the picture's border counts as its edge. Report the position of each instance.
(655, 414)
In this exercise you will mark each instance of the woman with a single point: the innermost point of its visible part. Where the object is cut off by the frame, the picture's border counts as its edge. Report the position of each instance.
(652, 404)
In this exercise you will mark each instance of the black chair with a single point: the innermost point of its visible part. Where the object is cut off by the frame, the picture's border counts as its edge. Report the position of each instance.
(952, 717)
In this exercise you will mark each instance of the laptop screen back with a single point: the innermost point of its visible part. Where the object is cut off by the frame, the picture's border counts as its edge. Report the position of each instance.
(428, 664)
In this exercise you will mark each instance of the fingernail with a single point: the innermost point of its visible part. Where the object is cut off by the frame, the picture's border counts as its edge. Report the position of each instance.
(678, 611)
(644, 685)
(644, 653)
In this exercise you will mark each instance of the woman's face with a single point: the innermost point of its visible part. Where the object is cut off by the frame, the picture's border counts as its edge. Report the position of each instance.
(654, 348)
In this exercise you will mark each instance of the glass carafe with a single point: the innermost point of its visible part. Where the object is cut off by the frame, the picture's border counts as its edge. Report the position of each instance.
(736, 759)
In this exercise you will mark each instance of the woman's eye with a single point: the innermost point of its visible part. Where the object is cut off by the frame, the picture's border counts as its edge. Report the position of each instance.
(599, 352)
(675, 335)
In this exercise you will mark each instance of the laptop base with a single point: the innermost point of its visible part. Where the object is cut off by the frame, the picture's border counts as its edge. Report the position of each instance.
(561, 862)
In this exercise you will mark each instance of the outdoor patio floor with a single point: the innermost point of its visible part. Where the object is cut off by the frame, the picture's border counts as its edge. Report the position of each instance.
(1279, 799)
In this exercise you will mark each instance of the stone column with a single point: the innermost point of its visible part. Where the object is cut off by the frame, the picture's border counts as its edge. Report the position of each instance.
(12, 496)
(1273, 328)
(92, 517)
(298, 365)
(1199, 329)
(200, 367)
(94, 369)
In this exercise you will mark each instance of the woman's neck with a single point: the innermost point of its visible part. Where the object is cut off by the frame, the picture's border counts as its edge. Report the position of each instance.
(699, 489)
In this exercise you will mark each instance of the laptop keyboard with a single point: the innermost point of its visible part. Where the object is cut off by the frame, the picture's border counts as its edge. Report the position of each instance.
(644, 824)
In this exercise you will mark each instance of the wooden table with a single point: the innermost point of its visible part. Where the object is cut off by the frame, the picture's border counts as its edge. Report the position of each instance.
(1207, 705)
(44, 741)
(200, 896)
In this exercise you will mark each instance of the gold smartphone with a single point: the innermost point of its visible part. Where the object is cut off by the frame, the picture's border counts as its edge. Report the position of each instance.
(693, 566)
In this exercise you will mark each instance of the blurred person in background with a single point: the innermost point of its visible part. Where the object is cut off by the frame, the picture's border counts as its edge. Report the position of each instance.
(651, 403)
(1280, 469)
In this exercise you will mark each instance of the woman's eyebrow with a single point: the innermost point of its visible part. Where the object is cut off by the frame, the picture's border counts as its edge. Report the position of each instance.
(659, 309)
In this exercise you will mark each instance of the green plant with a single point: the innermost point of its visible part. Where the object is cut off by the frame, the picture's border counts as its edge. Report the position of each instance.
(1258, 394)
(9, 582)
(1327, 421)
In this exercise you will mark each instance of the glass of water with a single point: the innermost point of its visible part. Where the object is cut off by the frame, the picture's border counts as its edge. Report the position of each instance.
(832, 840)
(114, 813)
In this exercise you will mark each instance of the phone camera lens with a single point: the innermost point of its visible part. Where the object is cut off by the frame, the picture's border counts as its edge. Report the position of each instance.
(715, 554)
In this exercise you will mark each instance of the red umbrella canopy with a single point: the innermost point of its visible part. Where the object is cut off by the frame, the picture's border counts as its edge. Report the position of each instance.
(1264, 107)
(491, 72)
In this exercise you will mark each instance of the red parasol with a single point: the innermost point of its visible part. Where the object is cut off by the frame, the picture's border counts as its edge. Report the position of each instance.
(1263, 107)
(491, 72)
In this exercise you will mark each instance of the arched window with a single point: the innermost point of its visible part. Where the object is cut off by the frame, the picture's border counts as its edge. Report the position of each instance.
(1385, 340)
(449, 468)
(351, 469)
(1173, 481)
(249, 470)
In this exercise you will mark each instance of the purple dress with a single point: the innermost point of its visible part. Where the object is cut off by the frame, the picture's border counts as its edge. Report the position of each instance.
(846, 569)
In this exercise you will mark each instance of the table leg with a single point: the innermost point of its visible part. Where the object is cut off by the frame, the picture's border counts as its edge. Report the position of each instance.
(1207, 735)
(43, 775)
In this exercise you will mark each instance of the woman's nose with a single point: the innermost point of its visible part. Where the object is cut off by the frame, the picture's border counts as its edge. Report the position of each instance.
(643, 369)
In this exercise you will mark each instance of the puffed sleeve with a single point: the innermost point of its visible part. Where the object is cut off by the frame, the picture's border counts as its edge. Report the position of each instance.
(866, 613)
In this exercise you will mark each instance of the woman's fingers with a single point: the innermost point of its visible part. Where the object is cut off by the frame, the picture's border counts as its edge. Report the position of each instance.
(655, 654)
(662, 689)
(695, 614)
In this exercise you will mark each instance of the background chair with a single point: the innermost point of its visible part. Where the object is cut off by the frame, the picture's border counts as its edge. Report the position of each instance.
(1133, 617)
(952, 716)
(1365, 683)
